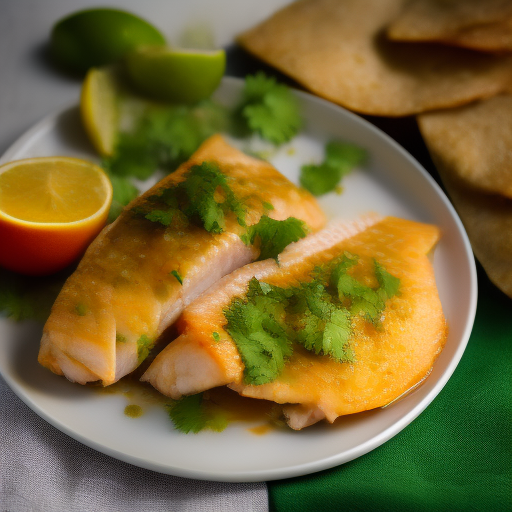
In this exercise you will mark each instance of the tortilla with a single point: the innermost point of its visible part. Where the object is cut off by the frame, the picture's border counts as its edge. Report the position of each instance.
(474, 142)
(479, 24)
(338, 50)
(488, 222)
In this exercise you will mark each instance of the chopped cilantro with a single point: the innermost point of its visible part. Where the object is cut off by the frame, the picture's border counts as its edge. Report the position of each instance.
(121, 338)
(216, 336)
(165, 136)
(273, 236)
(81, 309)
(257, 329)
(340, 159)
(203, 184)
(144, 346)
(192, 414)
(204, 197)
(364, 300)
(317, 314)
(29, 297)
(164, 217)
(124, 191)
(389, 284)
(270, 109)
(176, 274)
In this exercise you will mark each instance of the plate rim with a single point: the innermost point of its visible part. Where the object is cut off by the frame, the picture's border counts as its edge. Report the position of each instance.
(307, 467)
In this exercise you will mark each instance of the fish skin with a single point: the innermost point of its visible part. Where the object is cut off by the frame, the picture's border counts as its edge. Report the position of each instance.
(123, 287)
(317, 387)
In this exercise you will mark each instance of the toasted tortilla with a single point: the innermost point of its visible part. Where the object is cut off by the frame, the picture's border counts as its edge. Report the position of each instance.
(474, 142)
(488, 222)
(338, 50)
(484, 25)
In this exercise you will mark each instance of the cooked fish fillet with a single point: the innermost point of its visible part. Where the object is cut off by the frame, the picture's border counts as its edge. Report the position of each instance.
(123, 294)
(388, 360)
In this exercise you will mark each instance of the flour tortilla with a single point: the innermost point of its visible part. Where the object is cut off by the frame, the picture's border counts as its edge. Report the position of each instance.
(484, 25)
(474, 143)
(338, 50)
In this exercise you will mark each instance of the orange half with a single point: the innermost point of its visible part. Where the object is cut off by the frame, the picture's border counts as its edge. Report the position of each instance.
(51, 208)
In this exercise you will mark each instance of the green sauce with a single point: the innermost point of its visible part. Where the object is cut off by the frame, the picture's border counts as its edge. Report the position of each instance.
(133, 411)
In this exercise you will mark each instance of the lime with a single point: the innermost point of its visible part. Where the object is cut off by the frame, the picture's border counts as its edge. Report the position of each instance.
(176, 75)
(96, 37)
(99, 108)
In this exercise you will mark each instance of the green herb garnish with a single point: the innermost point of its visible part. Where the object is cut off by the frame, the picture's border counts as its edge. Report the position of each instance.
(317, 314)
(163, 137)
(121, 338)
(144, 346)
(176, 274)
(273, 236)
(256, 324)
(81, 309)
(29, 297)
(193, 414)
(204, 197)
(340, 159)
(270, 109)
(124, 191)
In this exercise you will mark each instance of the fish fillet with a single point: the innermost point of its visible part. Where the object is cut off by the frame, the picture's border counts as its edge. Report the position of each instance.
(123, 294)
(388, 360)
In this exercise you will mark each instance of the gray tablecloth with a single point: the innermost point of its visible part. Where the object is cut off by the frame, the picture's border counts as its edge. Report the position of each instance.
(44, 470)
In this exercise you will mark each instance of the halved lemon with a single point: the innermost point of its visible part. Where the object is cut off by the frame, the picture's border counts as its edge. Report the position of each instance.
(51, 208)
(176, 75)
(99, 108)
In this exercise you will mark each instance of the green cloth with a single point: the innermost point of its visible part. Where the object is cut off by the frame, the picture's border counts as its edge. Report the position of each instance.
(456, 456)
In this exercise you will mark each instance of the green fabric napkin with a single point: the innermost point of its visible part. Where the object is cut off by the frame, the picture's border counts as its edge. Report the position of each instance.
(456, 456)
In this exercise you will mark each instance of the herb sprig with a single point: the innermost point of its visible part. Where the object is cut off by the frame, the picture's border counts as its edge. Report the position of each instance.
(317, 314)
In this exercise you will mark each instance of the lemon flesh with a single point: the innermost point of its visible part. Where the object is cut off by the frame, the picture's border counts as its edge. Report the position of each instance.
(99, 109)
(53, 190)
(176, 75)
(96, 37)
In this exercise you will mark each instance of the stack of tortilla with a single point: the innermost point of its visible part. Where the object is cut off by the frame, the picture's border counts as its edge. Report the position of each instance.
(448, 62)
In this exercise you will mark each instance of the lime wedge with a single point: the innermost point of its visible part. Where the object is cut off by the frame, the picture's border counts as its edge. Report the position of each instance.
(176, 75)
(95, 37)
(99, 108)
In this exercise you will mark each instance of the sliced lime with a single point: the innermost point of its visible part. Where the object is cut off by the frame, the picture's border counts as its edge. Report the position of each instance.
(176, 75)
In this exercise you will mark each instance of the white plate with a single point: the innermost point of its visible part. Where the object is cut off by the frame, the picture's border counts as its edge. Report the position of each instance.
(392, 182)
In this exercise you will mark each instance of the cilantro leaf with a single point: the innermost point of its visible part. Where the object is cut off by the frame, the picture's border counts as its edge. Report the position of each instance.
(163, 137)
(201, 187)
(270, 109)
(177, 275)
(389, 284)
(124, 191)
(27, 297)
(164, 217)
(340, 159)
(192, 414)
(255, 326)
(274, 235)
(204, 197)
(144, 346)
(364, 300)
(317, 314)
